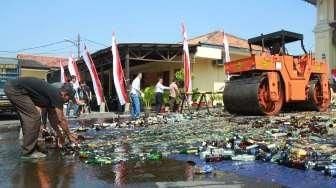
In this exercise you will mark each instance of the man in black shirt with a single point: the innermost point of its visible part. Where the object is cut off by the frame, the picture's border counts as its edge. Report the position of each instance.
(25, 94)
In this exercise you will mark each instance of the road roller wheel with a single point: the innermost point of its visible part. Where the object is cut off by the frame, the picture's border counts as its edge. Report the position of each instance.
(316, 97)
(250, 96)
(266, 105)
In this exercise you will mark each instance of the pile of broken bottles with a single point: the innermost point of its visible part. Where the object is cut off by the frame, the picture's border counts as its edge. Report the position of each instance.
(301, 140)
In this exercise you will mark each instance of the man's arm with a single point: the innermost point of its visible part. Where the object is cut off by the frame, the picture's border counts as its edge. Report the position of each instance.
(54, 122)
(163, 87)
(176, 89)
(53, 119)
(63, 123)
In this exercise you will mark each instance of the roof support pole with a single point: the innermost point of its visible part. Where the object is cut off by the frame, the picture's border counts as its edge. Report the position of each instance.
(127, 68)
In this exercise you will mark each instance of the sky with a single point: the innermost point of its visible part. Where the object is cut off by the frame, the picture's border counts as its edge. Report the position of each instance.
(32, 23)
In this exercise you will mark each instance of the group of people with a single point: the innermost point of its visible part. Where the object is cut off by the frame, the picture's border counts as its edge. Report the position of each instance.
(36, 100)
(136, 93)
(82, 99)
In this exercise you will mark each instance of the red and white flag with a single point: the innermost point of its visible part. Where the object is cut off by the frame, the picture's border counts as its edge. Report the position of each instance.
(118, 74)
(186, 62)
(226, 48)
(62, 72)
(94, 76)
(73, 69)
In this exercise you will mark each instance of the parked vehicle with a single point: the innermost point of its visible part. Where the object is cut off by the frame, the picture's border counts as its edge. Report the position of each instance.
(9, 69)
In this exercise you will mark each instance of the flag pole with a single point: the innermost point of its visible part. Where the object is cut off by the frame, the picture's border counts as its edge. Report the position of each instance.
(106, 104)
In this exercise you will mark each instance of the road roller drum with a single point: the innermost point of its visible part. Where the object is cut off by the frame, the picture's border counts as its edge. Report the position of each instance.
(268, 80)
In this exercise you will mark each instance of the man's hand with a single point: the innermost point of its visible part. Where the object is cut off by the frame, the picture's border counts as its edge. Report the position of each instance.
(60, 140)
(73, 138)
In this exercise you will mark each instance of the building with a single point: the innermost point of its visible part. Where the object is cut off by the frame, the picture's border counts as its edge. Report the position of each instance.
(325, 30)
(156, 60)
(163, 60)
(39, 66)
(207, 67)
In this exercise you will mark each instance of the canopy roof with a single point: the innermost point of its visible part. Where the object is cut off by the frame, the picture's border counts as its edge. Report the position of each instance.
(276, 37)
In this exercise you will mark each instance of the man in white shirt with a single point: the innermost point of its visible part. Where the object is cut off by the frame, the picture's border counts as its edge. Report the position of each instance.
(159, 88)
(135, 96)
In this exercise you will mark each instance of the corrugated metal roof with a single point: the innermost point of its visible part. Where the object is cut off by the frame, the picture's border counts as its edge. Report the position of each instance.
(144, 46)
(313, 2)
(27, 63)
(7, 60)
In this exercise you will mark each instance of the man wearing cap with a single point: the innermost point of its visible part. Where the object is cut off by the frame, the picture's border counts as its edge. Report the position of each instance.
(26, 94)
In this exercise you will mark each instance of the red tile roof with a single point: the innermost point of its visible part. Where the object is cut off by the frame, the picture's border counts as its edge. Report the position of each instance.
(49, 61)
(216, 37)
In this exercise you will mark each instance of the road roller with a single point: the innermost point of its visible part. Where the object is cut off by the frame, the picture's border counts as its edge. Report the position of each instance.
(271, 78)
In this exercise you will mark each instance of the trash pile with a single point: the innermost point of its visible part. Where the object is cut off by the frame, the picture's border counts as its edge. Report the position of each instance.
(301, 141)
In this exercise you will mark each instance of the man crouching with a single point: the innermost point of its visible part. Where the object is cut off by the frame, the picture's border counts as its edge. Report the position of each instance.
(25, 94)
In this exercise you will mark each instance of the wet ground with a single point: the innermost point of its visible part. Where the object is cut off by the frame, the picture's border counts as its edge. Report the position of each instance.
(65, 171)
(123, 146)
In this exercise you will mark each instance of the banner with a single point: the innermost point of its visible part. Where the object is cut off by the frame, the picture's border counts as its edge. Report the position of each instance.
(73, 70)
(118, 74)
(94, 76)
(63, 77)
(226, 48)
(186, 62)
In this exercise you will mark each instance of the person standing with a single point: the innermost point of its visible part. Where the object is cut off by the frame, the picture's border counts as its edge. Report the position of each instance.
(173, 92)
(81, 98)
(135, 96)
(89, 97)
(26, 94)
(72, 104)
(159, 89)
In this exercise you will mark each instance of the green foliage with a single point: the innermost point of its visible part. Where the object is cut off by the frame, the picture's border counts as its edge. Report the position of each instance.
(195, 95)
(179, 75)
(148, 97)
(217, 98)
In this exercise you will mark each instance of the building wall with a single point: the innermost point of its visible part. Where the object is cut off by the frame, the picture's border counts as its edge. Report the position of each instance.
(206, 74)
(324, 46)
(42, 74)
(151, 71)
(209, 76)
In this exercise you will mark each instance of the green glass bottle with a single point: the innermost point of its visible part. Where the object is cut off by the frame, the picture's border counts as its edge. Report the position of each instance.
(154, 156)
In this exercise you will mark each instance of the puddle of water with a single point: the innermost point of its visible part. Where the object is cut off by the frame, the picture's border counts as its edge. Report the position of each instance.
(269, 172)
(64, 171)
(127, 145)
(59, 170)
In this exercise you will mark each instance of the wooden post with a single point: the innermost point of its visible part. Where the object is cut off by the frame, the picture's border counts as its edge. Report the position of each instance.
(102, 105)
(127, 68)
(127, 72)
(110, 80)
(184, 99)
(203, 97)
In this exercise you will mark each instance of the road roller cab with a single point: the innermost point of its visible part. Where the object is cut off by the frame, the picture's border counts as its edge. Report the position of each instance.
(267, 80)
